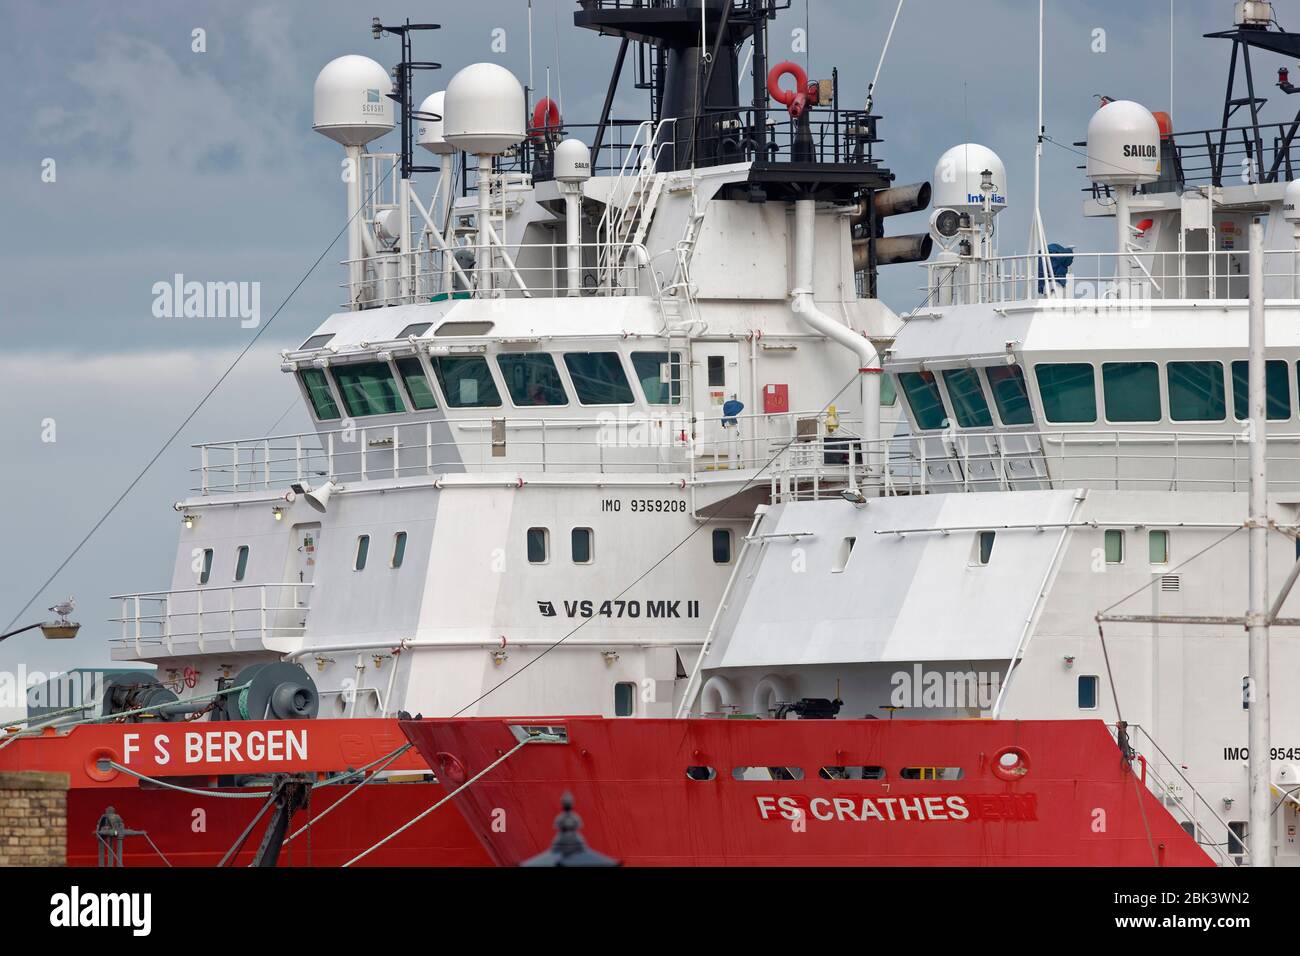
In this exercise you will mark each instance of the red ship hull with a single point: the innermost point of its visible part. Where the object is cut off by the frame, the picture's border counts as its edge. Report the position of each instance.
(198, 829)
(1065, 796)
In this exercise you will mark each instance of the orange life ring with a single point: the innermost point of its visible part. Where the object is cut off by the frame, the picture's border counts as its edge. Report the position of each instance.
(546, 117)
(1010, 763)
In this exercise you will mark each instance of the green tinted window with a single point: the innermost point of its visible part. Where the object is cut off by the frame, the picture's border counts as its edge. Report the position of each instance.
(649, 369)
(1068, 392)
(923, 397)
(1196, 391)
(1114, 545)
(1132, 391)
(888, 393)
(599, 378)
(368, 389)
(417, 384)
(241, 562)
(1277, 405)
(1158, 547)
(1007, 382)
(532, 379)
(466, 381)
(318, 390)
(967, 396)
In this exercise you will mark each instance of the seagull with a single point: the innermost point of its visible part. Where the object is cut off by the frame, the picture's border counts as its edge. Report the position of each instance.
(64, 607)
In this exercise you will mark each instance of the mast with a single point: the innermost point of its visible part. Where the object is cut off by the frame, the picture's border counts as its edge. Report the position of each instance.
(1257, 614)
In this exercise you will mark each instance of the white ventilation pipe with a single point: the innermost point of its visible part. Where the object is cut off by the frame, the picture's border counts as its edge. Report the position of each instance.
(484, 264)
(573, 238)
(804, 308)
(356, 225)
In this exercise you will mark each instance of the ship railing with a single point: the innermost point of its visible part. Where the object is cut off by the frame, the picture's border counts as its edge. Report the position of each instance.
(1166, 780)
(615, 443)
(1092, 277)
(233, 617)
(1002, 460)
(529, 270)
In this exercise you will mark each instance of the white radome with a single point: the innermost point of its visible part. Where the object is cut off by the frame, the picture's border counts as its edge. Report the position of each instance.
(483, 112)
(429, 133)
(1291, 202)
(959, 174)
(351, 104)
(572, 162)
(1123, 145)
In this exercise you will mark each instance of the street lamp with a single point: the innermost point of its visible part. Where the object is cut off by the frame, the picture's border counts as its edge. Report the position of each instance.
(59, 629)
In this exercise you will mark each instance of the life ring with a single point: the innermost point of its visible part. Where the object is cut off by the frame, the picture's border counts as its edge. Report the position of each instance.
(1010, 763)
(546, 117)
(798, 99)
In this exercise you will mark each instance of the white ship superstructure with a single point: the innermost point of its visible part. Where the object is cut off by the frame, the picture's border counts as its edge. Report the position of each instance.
(1065, 533)
(553, 390)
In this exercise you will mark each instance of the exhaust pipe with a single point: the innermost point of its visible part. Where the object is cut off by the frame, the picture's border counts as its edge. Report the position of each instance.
(895, 201)
(891, 250)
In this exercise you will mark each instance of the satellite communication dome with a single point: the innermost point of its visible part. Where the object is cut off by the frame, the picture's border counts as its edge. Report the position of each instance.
(1123, 145)
(1291, 202)
(429, 133)
(484, 110)
(959, 174)
(351, 101)
(572, 162)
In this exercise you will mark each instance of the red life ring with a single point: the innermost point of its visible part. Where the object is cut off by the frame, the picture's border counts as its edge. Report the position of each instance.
(801, 97)
(546, 117)
(191, 677)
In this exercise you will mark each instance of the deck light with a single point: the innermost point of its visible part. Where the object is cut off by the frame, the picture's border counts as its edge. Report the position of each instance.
(278, 513)
(189, 520)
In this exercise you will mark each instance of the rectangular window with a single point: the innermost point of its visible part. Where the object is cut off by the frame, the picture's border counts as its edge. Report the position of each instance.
(599, 378)
(466, 381)
(1277, 390)
(923, 398)
(580, 542)
(721, 546)
(1010, 394)
(1158, 547)
(967, 397)
(205, 573)
(418, 389)
(363, 552)
(1132, 391)
(532, 379)
(415, 328)
(1237, 837)
(717, 367)
(888, 392)
(317, 341)
(399, 549)
(537, 545)
(318, 390)
(1114, 546)
(1088, 691)
(241, 562)
(624, 699)
(1069, 392)
(984, 545)
(1196, 391)
(650, 368)
(368, 389)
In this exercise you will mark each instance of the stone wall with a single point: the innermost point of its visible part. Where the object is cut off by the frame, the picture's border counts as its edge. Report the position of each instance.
(33, 819)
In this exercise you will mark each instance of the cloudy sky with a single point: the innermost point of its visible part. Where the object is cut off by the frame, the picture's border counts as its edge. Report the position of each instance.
(166, 160)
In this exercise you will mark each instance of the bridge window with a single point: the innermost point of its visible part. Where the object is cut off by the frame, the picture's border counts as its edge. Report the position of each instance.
(532, 379)
(624, 699)
(1069, 392)
(580, 543)
(1196, 391)
(967, 397)
(415, 328)
(1132, 391)
(363, 552)
(1007, 382)
(317, 341)
(599, 378)
(650, 368)
(417, 384)
(923, 398)
(318, 390)
(399, 549)
(1114, 545)
(466, 381)
(368, 389)
(464, 328)
(1158, 547)
(538, 541)
(1088, 691)
(721, 546)
(1277, 390)
(241, 562)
